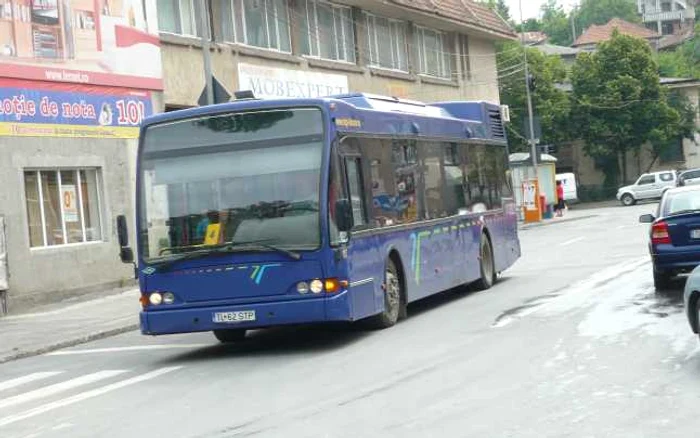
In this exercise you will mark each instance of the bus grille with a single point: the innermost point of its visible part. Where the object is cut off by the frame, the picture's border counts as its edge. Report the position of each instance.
(496, 124)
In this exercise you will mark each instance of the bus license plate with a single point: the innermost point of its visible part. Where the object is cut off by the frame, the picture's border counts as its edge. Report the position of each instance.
(228, 317)
(695, 234)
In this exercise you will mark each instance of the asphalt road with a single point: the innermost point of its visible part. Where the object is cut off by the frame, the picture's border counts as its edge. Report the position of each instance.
(573, 341)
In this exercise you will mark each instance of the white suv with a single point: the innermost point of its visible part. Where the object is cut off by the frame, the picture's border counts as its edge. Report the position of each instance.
(648, 186)
(689, 177)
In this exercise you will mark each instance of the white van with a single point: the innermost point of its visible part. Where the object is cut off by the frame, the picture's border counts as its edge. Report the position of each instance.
(568, 180)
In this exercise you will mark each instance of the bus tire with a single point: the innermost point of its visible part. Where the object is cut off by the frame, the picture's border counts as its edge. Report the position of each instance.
(393, 299)
(486, 264)
(230, 336)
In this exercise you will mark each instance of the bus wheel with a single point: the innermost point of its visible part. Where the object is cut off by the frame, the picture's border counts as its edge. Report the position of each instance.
(488, 270)
(392, 299)
(230, 336)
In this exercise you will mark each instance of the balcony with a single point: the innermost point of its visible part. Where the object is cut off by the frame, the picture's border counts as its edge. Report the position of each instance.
(681, 15)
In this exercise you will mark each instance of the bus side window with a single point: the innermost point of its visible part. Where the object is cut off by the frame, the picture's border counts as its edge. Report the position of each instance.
(353, 169)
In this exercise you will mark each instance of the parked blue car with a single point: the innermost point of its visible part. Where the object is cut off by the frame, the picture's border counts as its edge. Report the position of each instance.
(674, 237)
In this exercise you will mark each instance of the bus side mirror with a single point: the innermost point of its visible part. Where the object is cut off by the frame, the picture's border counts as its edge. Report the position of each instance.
(343, 215)
(125, 252)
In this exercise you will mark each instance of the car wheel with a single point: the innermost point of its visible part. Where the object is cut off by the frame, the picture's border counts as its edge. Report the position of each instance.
(627, 200)
(662, 280)
(230, 336)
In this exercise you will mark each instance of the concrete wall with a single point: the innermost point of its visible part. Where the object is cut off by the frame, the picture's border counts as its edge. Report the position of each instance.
(47, 274)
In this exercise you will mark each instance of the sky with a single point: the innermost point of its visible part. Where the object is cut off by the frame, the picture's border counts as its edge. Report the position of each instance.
(531, 8)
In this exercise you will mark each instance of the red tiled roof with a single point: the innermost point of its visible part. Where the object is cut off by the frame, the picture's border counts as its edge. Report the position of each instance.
(465, 11)
(597, 34)
(534, 37)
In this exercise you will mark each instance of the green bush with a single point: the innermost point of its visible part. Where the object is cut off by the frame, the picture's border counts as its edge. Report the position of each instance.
(596, 193)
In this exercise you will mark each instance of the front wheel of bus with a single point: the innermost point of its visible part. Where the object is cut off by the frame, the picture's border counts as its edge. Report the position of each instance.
(230, 336)
(488, 271)
(392, 299)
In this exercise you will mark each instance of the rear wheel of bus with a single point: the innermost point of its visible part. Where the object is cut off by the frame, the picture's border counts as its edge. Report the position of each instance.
(230, 336)
(487, 265)
(393, 299)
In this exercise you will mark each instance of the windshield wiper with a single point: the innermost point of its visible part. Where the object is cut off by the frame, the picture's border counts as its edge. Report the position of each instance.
(224, 248)
(291, 254)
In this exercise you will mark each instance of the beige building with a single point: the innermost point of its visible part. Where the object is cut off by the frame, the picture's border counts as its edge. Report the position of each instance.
(685, 154)
(427, 51)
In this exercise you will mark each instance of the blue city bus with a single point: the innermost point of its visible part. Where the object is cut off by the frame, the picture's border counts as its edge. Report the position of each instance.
(260, 213)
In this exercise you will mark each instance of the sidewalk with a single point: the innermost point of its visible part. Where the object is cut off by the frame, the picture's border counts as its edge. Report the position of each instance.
(573, 214)
(68, 323)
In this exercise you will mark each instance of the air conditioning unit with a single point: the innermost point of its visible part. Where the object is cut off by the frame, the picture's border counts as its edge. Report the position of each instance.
(505, 113)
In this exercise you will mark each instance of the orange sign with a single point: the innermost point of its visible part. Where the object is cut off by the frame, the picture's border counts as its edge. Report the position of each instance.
(70, 203)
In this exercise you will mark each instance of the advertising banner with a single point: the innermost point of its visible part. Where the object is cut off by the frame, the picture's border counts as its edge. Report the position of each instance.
(97, 42)
(45, 109)
(268, 82)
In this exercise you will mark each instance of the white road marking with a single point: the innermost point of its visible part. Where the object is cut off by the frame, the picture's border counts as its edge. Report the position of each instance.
(84, 396)
(59, 387)
(131, 348)
(569, 242)
(9, 384)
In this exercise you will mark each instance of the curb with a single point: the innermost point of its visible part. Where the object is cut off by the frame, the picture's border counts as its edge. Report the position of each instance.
(560, 221)
(69, 343)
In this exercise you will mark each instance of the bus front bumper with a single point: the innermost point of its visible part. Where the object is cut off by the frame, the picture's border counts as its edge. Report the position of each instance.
(201, 319)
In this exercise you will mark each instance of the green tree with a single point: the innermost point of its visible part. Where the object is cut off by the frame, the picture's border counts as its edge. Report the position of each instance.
(684, 61)
(501, 7)
(556, 24)
(550, 103)
(529, 25)
(601, 11)
(618, 104)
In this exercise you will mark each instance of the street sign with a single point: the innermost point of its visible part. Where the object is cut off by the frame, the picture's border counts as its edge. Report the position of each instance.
(221, 95)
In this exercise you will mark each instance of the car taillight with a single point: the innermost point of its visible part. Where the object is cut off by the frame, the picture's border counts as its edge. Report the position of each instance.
(659, 233)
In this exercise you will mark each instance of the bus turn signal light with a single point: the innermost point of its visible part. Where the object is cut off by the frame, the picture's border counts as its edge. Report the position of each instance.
(333, 285)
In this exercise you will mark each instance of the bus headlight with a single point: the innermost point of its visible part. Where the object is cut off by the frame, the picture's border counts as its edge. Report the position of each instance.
(168, 298)
(316, 286)
(302, 287)
(155, 298)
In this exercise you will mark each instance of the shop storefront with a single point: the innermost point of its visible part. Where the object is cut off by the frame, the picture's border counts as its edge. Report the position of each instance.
(76, 79)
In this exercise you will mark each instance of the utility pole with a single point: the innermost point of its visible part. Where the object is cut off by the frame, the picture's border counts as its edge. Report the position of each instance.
(533, 143)
(573, 24)
(206, 54)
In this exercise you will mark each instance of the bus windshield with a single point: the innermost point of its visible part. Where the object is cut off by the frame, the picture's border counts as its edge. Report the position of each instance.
(234, 178)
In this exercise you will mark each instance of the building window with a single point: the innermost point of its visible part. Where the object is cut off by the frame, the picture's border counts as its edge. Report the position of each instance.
(179, 16)
(386, 40)
(666, 28)
(327, 31)
(666, 7)
(63, 206)
(432, 52)
(259, 23)
(463, 51)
